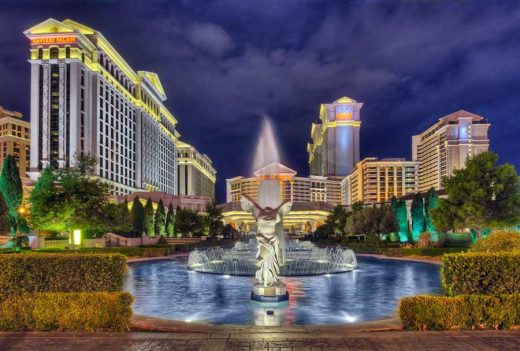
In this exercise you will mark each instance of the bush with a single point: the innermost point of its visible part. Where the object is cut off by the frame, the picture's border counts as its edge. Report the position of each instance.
(131, 251)
(162, 240)
(28, 273)
(460, 312)
(425, 240)
(481, 273)
(432, 251)
(83, 311)
(498, 242)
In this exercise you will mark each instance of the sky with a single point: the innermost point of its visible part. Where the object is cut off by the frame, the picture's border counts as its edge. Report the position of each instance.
(226, 64)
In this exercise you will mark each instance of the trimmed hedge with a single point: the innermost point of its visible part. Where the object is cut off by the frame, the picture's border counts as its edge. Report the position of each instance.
(434, 251)
(481, 273)
(460, 312)
(84, 311)
(30, 273)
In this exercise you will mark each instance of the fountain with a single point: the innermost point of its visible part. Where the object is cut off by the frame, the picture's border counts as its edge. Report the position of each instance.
(273, 256)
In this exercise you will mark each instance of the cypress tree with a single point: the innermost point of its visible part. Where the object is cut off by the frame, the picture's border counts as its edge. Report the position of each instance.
(402, 220)
(431, 202)
(170, 222)
(417, 214)
(148, 218)
(138, 216)
(124, 217)
(160, 220)
(12, 192)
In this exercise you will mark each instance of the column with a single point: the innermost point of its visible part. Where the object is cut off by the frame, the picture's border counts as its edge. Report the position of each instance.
(35, 114)
(61, 116)
(45, 115)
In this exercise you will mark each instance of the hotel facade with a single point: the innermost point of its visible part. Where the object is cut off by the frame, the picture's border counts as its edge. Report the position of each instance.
(376, 181)
(334, 147)
(86, 99)
(445, 146)
(15, 139)
(197, 176)
(313, 198)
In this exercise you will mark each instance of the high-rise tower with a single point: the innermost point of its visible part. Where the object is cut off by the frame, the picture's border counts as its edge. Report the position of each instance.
(85, 98)
(334, 150)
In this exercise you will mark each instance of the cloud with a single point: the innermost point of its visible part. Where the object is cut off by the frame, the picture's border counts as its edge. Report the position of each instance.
(210, 38)
(225, 63)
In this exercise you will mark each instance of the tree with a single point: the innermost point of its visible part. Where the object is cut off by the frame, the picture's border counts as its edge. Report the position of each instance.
(214, 219)
(323, 231)
(160, 220)
(417, 214)
(12, 192)
(170, 222)
(337, 220)
(228, 231)
(187, 222)
(148, 218)
(124, 217)
(402, 220)
(69, 198)
(388, 222)
(137, 216)
(431, 202)
(393, 204)
(481, 195)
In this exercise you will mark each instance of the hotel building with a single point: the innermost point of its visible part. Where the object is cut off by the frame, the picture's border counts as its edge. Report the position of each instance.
(376, 181)
(296, 189)
(85, 98)
(445, 146)
(334, 149)
(313, 198)
(15, 139)
(196, 173)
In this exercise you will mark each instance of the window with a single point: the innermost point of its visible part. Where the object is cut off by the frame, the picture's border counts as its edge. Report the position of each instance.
(67, 52)
(40, 53)
(54, 53)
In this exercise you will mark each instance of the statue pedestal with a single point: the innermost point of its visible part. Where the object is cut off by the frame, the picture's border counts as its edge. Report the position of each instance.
(274, 293)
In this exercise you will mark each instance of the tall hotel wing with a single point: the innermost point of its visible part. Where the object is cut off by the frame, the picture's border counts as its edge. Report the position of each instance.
(86, 99)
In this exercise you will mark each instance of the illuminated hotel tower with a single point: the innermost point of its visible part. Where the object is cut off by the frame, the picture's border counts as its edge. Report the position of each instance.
(445, 146)
(85, 98)
(334, 150)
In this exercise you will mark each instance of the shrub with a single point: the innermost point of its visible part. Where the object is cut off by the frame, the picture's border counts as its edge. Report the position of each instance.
(498, 242)
(481, 273)
(431, 251)
(139, 251)
(162, 240)
(460, 312)
(83, 311)
(28, 273)
(425, 240)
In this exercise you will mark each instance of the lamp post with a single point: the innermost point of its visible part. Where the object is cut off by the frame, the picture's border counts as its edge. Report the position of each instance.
(76, 238)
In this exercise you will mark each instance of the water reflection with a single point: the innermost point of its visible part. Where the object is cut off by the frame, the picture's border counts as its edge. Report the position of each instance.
(166, 289)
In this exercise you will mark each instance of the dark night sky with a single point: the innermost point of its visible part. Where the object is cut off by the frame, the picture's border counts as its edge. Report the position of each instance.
(226, 63)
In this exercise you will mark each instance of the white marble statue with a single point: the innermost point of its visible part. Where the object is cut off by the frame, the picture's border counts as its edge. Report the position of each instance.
(268, 255)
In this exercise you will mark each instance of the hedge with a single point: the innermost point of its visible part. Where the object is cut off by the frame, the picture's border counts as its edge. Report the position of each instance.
(434, 251)
(84, 311)
(460, 312)
(481, 273)
(28, 273)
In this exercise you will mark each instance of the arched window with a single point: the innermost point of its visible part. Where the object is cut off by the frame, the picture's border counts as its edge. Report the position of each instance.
(40, 53)
(54, 53)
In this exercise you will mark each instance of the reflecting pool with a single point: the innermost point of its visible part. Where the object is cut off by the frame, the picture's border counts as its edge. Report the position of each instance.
(167, 289)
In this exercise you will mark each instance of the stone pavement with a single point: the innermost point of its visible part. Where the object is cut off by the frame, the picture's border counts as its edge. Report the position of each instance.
(282, 341)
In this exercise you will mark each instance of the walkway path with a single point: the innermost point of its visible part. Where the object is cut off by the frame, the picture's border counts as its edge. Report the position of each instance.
(281, 341)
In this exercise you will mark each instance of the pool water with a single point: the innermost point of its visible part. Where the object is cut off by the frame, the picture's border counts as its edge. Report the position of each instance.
(167, 289)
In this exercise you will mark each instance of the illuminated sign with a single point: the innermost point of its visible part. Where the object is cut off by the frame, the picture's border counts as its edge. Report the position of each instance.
(53, 40)
(344, 112)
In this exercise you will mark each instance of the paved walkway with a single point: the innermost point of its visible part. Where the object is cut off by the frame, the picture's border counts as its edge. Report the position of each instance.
(329, 341)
